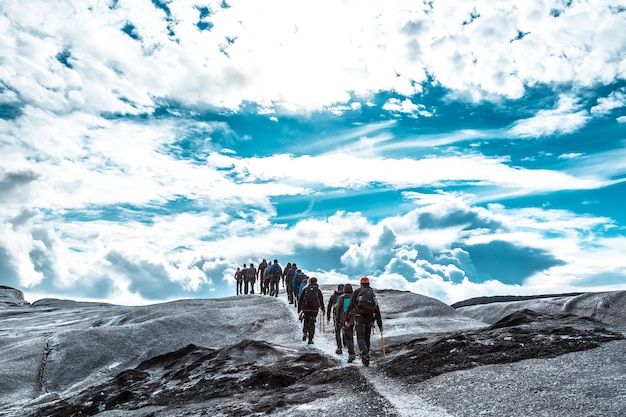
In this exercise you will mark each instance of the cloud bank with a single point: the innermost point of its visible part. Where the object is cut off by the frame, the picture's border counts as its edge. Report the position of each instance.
(148, 148)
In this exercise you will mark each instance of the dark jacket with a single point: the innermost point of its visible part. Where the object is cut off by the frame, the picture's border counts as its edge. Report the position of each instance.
(251, 274)
(298, 278)
(361, 317)
(332, 300)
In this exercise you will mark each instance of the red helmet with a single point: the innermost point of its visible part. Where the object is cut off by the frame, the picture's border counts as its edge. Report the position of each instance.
(364, 280)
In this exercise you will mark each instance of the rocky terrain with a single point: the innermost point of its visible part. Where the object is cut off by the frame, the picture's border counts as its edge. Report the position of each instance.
(243, 356)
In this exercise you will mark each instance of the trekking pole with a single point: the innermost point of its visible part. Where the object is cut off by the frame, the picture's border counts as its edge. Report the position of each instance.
(382, 342)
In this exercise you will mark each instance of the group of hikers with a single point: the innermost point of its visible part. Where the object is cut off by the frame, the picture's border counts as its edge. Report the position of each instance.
(354, 311)
(268, 275)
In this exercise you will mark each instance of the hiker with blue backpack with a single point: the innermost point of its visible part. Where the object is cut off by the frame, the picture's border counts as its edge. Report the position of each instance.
(332, 308)
(311, 300)
(275, 272)
(363, 308)
(290, 272)
(299, 278)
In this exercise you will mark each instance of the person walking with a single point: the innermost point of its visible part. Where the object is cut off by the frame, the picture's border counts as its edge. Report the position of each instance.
(260, 275)
(346, 323)
(310, 302)
(364, 310)
(298, 278)
(239, 281)
(275, 272)
(266, 281)
(251, 274)
(246, 282)
(289, 279)
(332, 307)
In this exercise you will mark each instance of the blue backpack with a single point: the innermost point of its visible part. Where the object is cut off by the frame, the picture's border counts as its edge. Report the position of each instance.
(275, 271)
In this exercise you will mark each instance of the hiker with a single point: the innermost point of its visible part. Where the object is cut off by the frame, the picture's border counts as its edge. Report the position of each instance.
(298, 278)
(266, 281)
(275, 272)
(251, 277)
(332, 307)
(346, 323)
(309, 303)
(239, 281)
(289, 279)
(260, 275)
(287, 268)
(244, 274)
(303, 282)
(364, 310)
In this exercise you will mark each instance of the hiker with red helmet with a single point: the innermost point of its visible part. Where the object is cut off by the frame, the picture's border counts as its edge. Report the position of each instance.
(364, 310)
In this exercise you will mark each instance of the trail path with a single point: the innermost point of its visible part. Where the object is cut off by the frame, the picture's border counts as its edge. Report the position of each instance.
(405, 401)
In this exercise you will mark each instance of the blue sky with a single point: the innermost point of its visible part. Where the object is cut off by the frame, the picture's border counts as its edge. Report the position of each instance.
(451, 148)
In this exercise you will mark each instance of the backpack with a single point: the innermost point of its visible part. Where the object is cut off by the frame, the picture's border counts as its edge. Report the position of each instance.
(310, 300)
(342, 305)
(251, 273)
(366, 302)
(275, 271)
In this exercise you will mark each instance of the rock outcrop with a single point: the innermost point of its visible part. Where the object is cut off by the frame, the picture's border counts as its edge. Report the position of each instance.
(11, 297)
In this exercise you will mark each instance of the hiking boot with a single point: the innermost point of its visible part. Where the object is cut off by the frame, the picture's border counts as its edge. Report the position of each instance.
(339, 351)
(310, 341)
(351, 358)
(304, 337)
(366, 360)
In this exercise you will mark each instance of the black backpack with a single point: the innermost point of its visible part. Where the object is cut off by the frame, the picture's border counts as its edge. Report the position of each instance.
(366, 302)
(310, 300)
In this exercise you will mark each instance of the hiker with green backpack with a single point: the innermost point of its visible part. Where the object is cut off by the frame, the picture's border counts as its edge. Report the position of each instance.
(345, 322)
(364, 309)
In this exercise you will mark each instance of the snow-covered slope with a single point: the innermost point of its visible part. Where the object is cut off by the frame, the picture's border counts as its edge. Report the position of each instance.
(244, 356)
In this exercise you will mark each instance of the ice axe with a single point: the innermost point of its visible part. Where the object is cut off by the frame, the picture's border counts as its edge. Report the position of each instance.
(382, 342)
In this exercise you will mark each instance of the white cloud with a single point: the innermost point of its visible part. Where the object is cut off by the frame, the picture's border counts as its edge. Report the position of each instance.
(341, 170)
(571, 155)
(406, 106)
(615, 100)
(566, 118)
(305, 56)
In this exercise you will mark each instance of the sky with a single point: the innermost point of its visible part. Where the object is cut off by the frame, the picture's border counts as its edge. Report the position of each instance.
(451, 148)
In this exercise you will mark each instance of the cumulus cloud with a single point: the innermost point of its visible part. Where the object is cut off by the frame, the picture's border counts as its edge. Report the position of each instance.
(149, 148)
